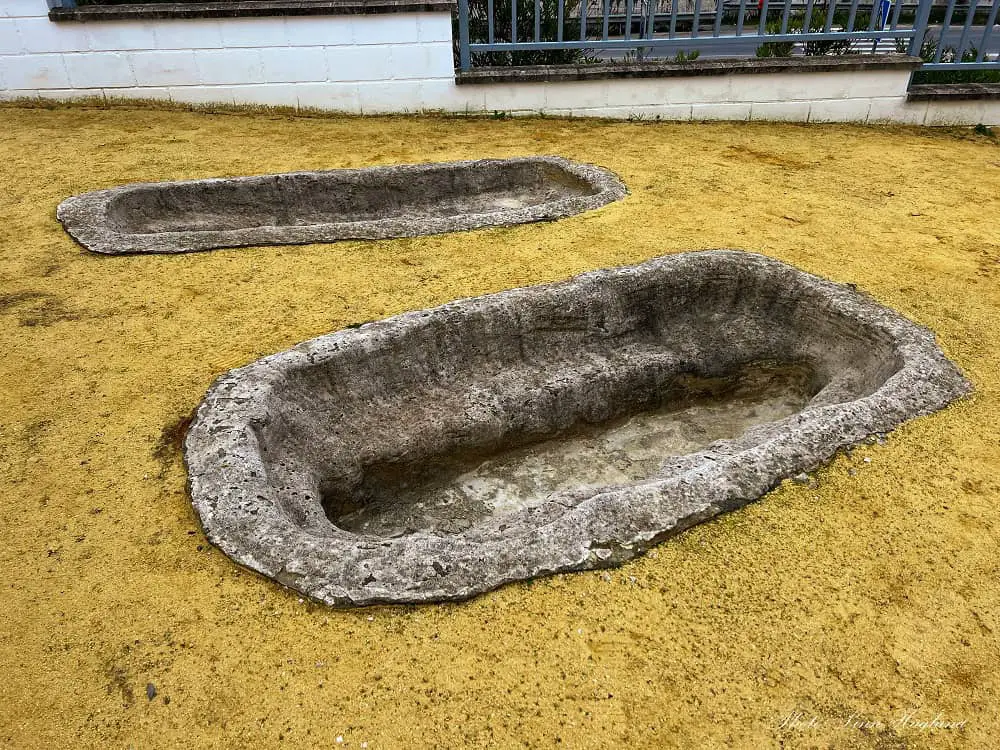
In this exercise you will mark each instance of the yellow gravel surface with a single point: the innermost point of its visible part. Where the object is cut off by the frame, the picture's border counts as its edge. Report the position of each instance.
(847, 615)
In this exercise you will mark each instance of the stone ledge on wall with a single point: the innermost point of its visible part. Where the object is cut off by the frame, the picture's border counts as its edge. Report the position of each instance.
(953, 91)
(665, 69)
(251, 8)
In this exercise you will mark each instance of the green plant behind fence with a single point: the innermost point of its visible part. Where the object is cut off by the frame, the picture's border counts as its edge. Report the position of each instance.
(796, 22)
(928, 49)
(548, 23)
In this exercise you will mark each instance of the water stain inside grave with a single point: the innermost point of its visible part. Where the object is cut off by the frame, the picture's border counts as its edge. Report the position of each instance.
(450, 494)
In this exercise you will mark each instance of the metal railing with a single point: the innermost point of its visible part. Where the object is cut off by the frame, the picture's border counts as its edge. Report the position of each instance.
(972, 50)
(594, 29)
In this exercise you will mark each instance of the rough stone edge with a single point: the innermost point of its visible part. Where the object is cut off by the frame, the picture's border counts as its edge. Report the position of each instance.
(84, 216)
(249, 9)
(952, 91)
(726, 476)
(657, 69)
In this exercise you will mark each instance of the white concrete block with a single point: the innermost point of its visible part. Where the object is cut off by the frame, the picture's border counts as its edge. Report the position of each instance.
(229, 66)
(991, 112)
(294, 64)
(576, 95)
(69, 94)
(780, 111)
(188, 33)
(716, 111)
(358, 63)
(10, 42)
(271, 95)
(119, 35)
(445, 96)
(165, 68)
(503, 97)
(335, 97)
(390, 96)
(432, 60)
(645, 91)
(969, 112)
(23, 9)
(770, 87)
(35, 72)
(42, 35)
(897, 110)
(672, 112)
(802, 86)
(253, 32)
(203, 94)
(388, 28)
(434, 27)
(850, 84)
(99, 69)
(150, 93)
(839, 110)
(322, 31)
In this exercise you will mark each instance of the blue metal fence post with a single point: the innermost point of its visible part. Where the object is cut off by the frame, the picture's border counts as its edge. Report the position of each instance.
(464, 56)
(920, 27)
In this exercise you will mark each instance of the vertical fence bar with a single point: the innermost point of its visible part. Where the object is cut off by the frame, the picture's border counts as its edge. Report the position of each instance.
(740, 16)
(832, 9)
(673, 18)
(988, 31)
(490, 31)
(538, 20)
(919, 27)
(895, 15)
(874, 16)
(604, 23)
(944, 29)
(966, 29)
(762, 21)
(650, 18)
(808, 17)
(785, 13)
(583, 19)
(719, 6)
(853, 15)
(628, 20)
(464, 58)
(696, 20)
(560, 18)
(513, 21)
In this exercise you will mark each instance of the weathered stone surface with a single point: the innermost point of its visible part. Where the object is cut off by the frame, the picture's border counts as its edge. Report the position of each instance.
(246, 9)
(659, 68)
(307, 207)
(359, 418)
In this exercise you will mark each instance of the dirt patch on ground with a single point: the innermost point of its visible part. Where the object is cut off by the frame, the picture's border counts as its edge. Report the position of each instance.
(822, 615)
(32, 308)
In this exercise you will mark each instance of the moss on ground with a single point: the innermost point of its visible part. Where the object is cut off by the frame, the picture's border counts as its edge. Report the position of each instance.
(869, 595)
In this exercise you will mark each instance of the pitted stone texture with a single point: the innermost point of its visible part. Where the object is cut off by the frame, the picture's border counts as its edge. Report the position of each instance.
(308, 207)
(275, 440)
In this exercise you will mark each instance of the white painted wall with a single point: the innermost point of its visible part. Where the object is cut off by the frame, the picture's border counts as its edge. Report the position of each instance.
(403, 63)
(354, 63)
(853, 96)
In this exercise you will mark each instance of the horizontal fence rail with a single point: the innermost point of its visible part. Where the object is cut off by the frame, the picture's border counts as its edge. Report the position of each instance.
(947, 34)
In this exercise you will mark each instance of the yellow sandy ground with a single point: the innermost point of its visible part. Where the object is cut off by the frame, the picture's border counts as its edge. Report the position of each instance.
(869, 596)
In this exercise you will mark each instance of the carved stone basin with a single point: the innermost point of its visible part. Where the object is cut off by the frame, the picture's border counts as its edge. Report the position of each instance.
(445, 452)
(307, 207)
